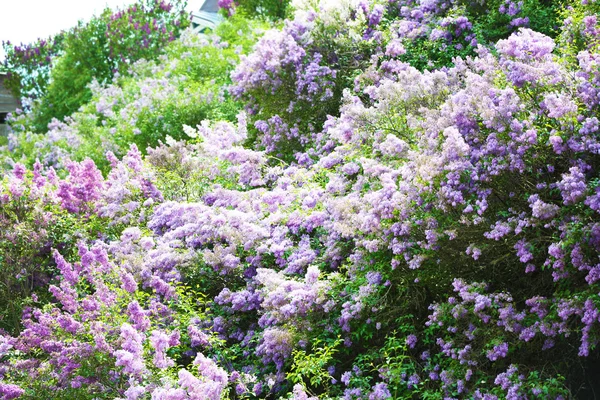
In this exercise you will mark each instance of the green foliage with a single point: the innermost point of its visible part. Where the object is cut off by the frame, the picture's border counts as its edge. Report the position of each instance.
(574, 37)
(28, 66)
(310, 367)
(82, 60)
(198, 74)
(425, 54)
(183, 87)
(266, 9)
(182, 176)
(107, 45)
(30, 228)
(491, 25)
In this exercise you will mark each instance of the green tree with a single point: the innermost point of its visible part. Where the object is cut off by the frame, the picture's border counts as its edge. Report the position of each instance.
(99, 49)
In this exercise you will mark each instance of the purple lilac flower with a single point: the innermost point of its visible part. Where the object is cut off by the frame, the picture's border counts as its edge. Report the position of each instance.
(499, 351)
(380, 392)
(411, 341)
(10, 391)
(572, 186)
(160, 342)
(131, 355)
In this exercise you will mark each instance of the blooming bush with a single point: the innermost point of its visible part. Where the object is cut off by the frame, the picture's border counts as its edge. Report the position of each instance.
(345, 224)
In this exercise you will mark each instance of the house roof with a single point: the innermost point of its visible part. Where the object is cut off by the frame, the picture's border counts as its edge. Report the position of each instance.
(202, 20)
(210, 6)
(207, 17)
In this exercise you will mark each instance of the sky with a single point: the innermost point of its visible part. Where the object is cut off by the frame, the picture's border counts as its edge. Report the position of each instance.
(23, 21)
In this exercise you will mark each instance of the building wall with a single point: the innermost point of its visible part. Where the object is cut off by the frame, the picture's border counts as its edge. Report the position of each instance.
(7, 104)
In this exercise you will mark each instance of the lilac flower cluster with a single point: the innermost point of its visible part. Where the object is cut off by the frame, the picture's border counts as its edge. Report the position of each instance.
(83, 187)
(128, 189)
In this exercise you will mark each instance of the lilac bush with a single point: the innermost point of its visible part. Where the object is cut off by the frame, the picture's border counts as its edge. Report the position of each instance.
(324, 48)
(367, 228)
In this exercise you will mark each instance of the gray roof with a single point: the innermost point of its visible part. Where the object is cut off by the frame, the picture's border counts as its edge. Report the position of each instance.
(210, 6)
(202, 20)
(207, 17)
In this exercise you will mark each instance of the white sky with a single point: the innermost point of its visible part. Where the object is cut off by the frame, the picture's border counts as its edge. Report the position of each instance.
(23, 21)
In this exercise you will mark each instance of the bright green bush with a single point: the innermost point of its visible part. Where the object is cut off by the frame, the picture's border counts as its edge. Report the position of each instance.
(262, 9)
(97, 50)
(183, 87)
(28, 66)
